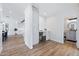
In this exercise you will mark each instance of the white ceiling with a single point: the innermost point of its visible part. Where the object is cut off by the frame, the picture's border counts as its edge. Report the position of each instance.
(14, 9)
(45, 9)
(54, 8)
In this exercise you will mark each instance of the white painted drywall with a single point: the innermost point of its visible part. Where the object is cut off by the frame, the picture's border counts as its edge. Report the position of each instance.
(31, 35)
(12, 24)
(0, 28)
(28, 36)
(55, 28)
(42, 23)
(35, 23)
(77, 33)
(55, 23)
(0, 37)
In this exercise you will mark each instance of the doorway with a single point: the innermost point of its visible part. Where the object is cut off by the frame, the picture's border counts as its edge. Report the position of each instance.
(70, 28)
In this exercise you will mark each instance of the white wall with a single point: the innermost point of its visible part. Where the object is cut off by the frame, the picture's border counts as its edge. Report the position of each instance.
(77, 33)
(20, 27)
(28, 36)
(1, 28)
(31, 36)
(12, 24)
(42, 23)
(55, 23)
(0, 37)
(35, 23)
(55, 28)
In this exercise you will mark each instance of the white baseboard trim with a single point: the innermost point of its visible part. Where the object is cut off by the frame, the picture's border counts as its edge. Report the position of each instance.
(30, 47)
(57, 41)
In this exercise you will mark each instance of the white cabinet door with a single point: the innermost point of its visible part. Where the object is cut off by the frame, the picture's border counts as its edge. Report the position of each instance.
(71, 35)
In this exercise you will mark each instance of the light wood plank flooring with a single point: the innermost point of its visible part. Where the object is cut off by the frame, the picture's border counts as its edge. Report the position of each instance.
(15, 46)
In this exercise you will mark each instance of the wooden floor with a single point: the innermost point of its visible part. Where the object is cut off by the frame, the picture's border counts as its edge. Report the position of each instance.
(15, 46)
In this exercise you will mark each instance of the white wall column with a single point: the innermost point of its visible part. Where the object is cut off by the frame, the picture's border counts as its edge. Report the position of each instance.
(35, 23)
(77, 34)
(31, 36)
(0, 28)
(28, 37)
